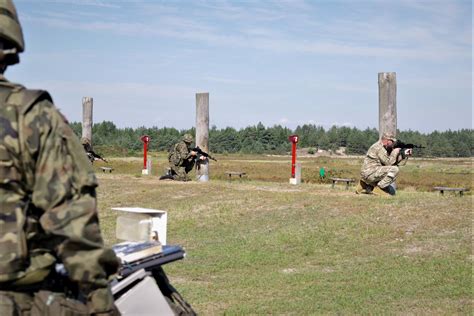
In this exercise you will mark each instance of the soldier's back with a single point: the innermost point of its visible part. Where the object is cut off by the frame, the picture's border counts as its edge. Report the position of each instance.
(371, 160)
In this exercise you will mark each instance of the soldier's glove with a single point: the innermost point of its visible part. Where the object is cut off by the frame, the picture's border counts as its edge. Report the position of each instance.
(408, 152)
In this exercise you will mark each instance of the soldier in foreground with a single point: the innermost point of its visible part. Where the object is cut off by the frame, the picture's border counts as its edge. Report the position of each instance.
(48, 211)
(182, 159)
(380, 169)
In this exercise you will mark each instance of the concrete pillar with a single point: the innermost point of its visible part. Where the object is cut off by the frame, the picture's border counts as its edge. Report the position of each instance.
(388, 108)
(87, 109)
(387, 103)
(202, 133)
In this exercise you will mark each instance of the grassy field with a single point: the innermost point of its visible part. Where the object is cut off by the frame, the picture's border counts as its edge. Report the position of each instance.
(262, 246)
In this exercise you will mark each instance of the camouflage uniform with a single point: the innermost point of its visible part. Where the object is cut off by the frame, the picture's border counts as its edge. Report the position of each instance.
(181, 161)
(379, 167)
(48, 208)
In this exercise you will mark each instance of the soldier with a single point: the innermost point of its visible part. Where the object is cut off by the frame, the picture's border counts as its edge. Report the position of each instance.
(380, 169)
(91, 155)
(181, 158)
(48, 211)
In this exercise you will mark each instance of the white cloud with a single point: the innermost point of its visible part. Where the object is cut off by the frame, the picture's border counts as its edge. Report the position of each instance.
(378, 36)
(346, 124)
(121, 89)
(91, 3)
(227, 80)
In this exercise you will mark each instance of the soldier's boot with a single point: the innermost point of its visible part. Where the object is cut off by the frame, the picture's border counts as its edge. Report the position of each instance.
(167, 177)
(380, 192)
(363, 187)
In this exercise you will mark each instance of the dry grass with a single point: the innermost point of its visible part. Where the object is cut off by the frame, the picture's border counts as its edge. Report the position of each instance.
(262, 246)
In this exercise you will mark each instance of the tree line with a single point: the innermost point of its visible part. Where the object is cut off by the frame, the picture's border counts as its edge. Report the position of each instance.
(259, 139)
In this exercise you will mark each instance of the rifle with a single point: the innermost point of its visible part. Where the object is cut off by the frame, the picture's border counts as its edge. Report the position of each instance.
(93, 156)
(403, 146)
(200, 152)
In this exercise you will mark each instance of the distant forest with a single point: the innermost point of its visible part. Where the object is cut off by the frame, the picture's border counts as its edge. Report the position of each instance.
(259, 139)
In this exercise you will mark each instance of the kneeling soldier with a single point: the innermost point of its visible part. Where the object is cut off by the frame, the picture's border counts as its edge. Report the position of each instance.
(380, 169)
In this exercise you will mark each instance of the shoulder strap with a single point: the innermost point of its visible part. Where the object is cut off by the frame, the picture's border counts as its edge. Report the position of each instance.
(16, 94)
(7, 88)
(4, 94)
(25, 98)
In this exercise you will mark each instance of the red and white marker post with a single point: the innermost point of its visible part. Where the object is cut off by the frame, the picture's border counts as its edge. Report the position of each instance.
(146, 164)
(295, 168)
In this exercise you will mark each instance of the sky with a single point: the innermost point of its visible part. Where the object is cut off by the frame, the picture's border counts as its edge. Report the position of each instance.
(282, 62)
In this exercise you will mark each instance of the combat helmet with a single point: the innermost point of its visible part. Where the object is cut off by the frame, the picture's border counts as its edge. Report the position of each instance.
(11, 34)
(188, 138)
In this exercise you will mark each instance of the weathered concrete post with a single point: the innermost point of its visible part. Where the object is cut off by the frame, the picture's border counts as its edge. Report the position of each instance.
(202, 133)
(387, 103)
(388, 108)
(87, 105)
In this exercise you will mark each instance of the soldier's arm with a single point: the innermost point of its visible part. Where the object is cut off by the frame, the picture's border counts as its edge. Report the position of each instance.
(64, 189)
(184, 152)
(395, 157)
(385, 159)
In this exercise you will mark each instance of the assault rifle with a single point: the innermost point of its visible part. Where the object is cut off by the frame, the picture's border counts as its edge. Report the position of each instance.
(200, 152)
(403, 146)
(93, 156)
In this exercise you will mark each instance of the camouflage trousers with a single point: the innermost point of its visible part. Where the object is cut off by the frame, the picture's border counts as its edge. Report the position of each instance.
(382, 177)
(180, 173)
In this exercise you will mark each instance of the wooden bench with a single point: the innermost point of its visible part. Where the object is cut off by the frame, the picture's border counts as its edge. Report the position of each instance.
(108, 169)
(442, 189)
(347, 181)
(235, 173)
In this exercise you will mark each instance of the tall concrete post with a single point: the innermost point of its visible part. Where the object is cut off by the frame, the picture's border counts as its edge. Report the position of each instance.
(387, 103)
(87, 108)
(202, 133)
(388, 109)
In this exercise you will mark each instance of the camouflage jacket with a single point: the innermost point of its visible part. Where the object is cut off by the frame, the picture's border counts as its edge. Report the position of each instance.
(47, 199)
(179, 153)
(376, 157)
